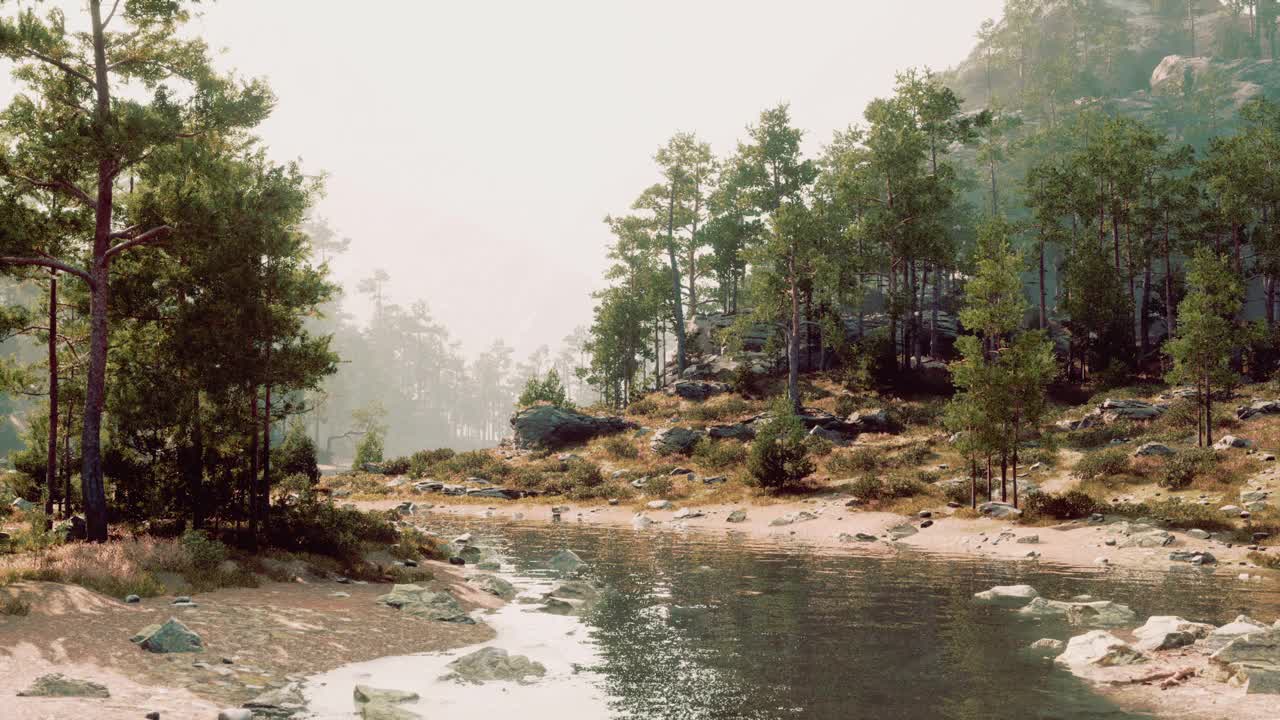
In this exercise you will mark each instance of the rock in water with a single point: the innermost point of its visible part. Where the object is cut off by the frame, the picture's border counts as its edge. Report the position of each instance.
(1099, 647)
(235, 714)
(171, 637)
(378, 704)
(58, 685)
(420, 602)
(545, 426)
(491, 663)
(1011, 596)
(494, 585)
(279, 703)
(1165, 632)
(565, 562)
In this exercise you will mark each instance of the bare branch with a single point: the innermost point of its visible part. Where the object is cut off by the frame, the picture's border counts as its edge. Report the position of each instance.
(111, 14)
(60, 65)
(65, 186)
(127, 233)
(153, 235)
(48, 263)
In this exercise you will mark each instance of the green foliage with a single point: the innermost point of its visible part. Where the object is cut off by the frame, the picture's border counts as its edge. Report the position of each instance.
(368, 451)
(719, 454)
(548, 390)
(296, 455)
(718, 409)
(779, 459)
(1102, 464)
(397, 466)
(1070, 505)
(868, 363)
(205, 553)
(620, 447)
(1180, 470)
(892, 487)
(857, 460)
(423, 462)
(320, 528)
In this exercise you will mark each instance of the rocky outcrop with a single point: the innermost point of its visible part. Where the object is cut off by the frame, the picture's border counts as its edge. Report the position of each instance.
(999, 510)
(1166, 632)
(1258, 408)
(423, 603)
(1098, 647)
(675, 440)
(1253, 658)
(549, 427)
(1227, 442)
(493, 585)
(878, 420)
(58, 685)
(1223, 636)
(697, 389)
(566, 562)
(735, 431)
(1153, 449)
(490, 664)
(1089, 613)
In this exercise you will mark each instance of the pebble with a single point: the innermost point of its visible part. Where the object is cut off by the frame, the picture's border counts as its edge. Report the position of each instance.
(153, 715)
(133, 599)
(926, 523)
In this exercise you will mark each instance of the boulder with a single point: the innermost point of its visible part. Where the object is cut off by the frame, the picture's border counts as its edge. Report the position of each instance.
(1094, 613)
(999, 510)
(1221, 637)
(1048, 645)
(22, 505)
(549, 427)
(1098, 647)
(423, 603)
(566, 562)
(1165, 632)
(169, 637)
(878, 420)
(1147, 539)
(1257, 408)
(1198, 534)
(58, 685)
(1113, 410)
(832, 436)
(1010, 596)
(1259, 646)
(640, 522)
(658, 505)
(1231, 441)
(493, 585)
(235, 714)
(735, 431)
(1193, 557)
(675, 440)
(379, 704)
(1153, 449)
(1252, 496)
(687, 514)
(697, 389)
(282, 702)
(793, 517)
(491, 663)
(737, 516)
(1261, 678)
(898, 532)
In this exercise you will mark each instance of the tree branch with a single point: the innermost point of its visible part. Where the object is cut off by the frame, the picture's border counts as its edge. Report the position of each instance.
(60, 65)
(114, 8)
(66, 186)
(128, 233)
(153, 235)
(48, 263)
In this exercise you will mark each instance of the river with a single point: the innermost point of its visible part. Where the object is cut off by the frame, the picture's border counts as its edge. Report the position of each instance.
(695, 626)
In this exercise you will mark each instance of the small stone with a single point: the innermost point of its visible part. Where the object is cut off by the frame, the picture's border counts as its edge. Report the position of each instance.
(1028, 540)
(153, 715)
(926, 523)
(132, 599)
(925, 514)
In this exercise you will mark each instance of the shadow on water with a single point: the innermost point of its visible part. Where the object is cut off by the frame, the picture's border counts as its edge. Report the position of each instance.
(698, 626)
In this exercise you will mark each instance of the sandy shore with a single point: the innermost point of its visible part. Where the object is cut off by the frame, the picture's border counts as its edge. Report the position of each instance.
(255, 639)
(1078, 544)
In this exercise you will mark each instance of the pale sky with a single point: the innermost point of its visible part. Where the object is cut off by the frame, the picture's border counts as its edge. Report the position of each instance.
(473, 147)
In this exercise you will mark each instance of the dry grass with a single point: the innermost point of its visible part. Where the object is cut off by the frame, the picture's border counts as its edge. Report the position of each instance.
(119, 568)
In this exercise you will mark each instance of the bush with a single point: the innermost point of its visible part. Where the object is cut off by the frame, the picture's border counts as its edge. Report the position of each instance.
(869, 362)
(957, 493)
(422, 462)
(584, 481)
(620, 447)
(644, 406)
(548, 390)
(913, 455)
(1180, 470)
(296, 455)
(847, 405)
(817, 446)
(858, 460)
(779, 458)
(397, 466)
(718, 409)
(205, 552)
(369, 451)
(1100, 435)
(1070, 505)
(323, 529)
(1179, 515)
(873, 487)
(1102, 464)
(719, 454)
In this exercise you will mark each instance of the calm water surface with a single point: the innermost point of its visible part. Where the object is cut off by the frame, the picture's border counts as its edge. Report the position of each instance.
(697, 626)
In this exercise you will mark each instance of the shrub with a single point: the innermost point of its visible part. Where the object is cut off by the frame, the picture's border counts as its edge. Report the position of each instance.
(718, 409)
(14, 606)
(321, 528)
(620, 447)
(296, 455)
(1101, 435)
(1102, 464)
(743, 380)
(869, 362)
(204, 552)
(422, 462)
(1180, 470)
(817, 446)
(584, 481)
(645, 406)
(779, 458)
(858, 460)
(397, 466)
(547, 390)
(873, 487)
(719, 454)
(1182, 515)
(847, 405)
(661, 486)
(369, 451)
(913, 455)
(1067, 506)
(957, 492)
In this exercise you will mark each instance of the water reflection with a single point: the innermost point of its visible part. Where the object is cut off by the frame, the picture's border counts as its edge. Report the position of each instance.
(696, 626)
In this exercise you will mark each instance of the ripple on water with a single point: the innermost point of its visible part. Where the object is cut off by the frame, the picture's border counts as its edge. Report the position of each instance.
(697, 626)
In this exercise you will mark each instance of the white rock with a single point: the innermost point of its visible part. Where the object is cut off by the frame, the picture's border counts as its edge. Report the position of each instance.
(1098, 647)
(1012, 596)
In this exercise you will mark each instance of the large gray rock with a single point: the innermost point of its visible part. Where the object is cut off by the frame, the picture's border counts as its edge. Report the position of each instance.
(490, 664)
(675, 440)
(736, 431)
(566, 562)
(379, 704)
(697, 389)
(58, 685)
(1113, 410)
(1153, 449)
(1231, 441)
(494, 585)
(999, 510)
(545, 426)
(1165, 632)
(878, 420)
(1010, 596)
(1242, 625)
(1259, 407)
(283, 702)
(169, 637)
(423, 603)
(1147, 539)
(1096, 613)
(1098, 647)
(1262, 646)
(22, 505)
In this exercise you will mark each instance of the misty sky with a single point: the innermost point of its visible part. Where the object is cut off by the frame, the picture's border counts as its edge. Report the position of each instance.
(473, 147)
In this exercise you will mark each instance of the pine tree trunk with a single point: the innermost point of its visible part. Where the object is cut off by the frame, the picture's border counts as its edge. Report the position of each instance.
(793, 354)
(677, 315)
(251, 490)
(51, 462)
